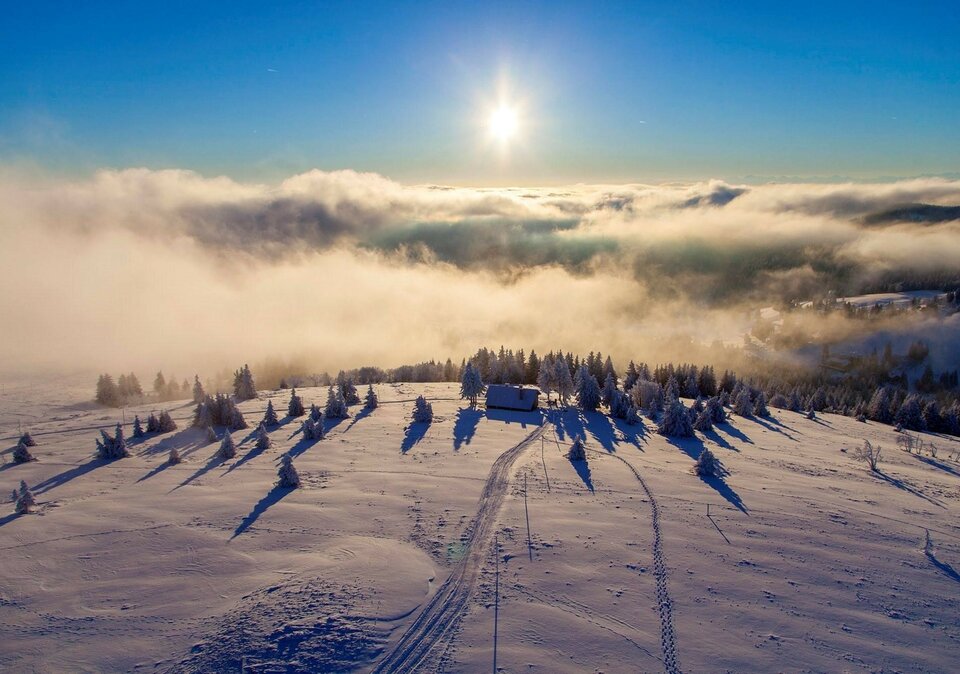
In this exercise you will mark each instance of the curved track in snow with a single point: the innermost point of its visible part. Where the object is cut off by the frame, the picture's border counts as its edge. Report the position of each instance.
(418, 645)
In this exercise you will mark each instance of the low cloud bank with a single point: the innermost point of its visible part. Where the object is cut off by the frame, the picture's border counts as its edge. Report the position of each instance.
(171, 269)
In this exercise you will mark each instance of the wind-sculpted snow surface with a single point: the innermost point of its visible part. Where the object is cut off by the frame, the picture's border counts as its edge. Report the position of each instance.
(422, 643)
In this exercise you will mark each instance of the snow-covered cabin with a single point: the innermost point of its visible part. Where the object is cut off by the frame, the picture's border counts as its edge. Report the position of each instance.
(507, 397)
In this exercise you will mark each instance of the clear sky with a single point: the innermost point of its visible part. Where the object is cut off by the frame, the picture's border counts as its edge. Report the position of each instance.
(606, 91)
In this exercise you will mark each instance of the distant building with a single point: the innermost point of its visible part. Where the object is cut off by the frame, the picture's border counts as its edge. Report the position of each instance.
(506, 397)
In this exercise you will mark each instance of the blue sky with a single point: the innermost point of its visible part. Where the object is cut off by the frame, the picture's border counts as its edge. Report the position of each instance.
(610, 91)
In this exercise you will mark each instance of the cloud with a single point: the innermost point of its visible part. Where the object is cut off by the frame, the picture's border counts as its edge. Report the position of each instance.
(152, 267)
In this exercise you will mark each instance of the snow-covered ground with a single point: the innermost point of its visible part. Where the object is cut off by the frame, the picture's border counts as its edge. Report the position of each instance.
(406, 542)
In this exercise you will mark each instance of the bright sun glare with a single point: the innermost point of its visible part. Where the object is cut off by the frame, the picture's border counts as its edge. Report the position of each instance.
(503, 123)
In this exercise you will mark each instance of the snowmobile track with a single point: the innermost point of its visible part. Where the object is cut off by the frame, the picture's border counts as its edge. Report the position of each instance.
(441, 615)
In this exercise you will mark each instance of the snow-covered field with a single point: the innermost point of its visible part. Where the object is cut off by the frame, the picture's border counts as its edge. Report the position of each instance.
(407, 548)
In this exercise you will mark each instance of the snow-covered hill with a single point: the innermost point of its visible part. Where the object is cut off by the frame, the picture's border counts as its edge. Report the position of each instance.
(407, 542)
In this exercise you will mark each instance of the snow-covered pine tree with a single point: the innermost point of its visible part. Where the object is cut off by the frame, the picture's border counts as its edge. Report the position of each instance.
(422, 411)
(287, 476)
(910, 414)
(371, 402)
(28, 440)
(173, 458)
(211, 434)
(587, 390)
(743, 405)
(564, 381)
(295, 406)
(796, 401)
(228, 449)
(760, 405)
(578, 450)
(609, 391)
(319, 428)
(779, 401)
(703, 421)
(153, 424)
(336, 406)
(138, 431)
(547, 376)
(307, 428)
(672, 389)
(714, 406)
(315, 413)
(651, 396)
(270, 416)
(932, 418)
(471, 384)
(198, 393)
(350, 395)
(619, 405)
(236, 421)
(879, 408)
(633, 416)
(112, 447)
(675, 422)
(25, 500)
(632, 376)
(707, 464)
(166, 423)
(263, 439)
(21, 453)
(244, 387)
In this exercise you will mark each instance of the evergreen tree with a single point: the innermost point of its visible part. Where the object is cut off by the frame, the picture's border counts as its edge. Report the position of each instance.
(932, 418)
(743, 405)
(672, 389)
(25, 500)
(174, 457)
(315, 413)
(704, 421)
(115, 447)
(160, 385)
(422, 411)
(564, 380)
(336, 407)
(714, 406)
(21, 453)
(578, 450)
(203, 417)
(587, 390)
(287, 476)
(471, 384)
(372, 402)
(707, 464)
(632, 376)
(270, 416)
(609, 390)
(236, 422)
(263, 439)
(910, 414)
(244, 387)
(760, 405)
(107, 391)
(28, 440)
(795, 401)
(138, 431)
(211, 434)
(547, 376)
(166, 423)
(295, 407)
(198, 393)
(228, 449)
(633, 416)
(675, 422)
(619, 405)
(153, 424)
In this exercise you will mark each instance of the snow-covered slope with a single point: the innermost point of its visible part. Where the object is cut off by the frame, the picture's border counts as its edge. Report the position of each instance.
(386, 556)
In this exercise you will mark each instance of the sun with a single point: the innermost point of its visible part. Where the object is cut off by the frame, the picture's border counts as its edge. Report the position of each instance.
(503, 123)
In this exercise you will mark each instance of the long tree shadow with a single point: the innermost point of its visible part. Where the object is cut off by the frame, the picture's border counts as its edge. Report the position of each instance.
(602, 430)
(413, 434)
(212, 463)
(943, 566)
(273, 496)
(303, 445)
(630, 433)
(905, 486)
(249, 456)
(936, 463)
(8, 518)
(159, 469)
(8, 466)
(568, 423)
(466, 426)
(67, 475)
(719, 440)
(186, 441)
(583, 470)
(362, 414)
(734, 432)
(693, 447)
(772, 427)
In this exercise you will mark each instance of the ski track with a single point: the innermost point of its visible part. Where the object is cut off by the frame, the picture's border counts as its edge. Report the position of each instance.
(442, 613)
(668, 641)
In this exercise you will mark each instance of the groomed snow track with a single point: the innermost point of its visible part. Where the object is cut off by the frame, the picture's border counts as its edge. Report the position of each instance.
(435, 623)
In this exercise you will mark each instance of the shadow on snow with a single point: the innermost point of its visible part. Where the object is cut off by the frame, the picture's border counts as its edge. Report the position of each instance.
(466, 426)
(273, 496)
(693, 447)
